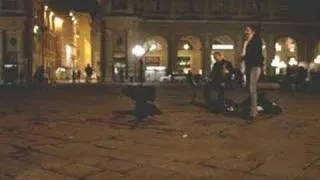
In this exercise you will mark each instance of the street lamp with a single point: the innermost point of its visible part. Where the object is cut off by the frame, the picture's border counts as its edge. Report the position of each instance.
(139, 51)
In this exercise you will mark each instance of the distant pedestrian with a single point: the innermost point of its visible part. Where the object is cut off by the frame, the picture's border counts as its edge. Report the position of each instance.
(74, 76)
(79, 75)
(89, 72)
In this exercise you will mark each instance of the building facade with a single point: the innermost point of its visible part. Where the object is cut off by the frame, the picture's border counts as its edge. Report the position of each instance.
(35, 35)
(74, 42)
(12, 27)
(183, 34)
(27, 41)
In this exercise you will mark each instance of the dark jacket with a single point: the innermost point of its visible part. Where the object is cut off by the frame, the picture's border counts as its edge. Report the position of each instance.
(217, 74)
(253, 56)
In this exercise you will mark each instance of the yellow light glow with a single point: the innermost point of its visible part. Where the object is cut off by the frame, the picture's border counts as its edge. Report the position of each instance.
(35, 29)
(278, 47)
(58, 22)
(68, 54)
(51, 20)
(71, 13)
(292, 49)
(138, 51)
(275, 62)
(222, 46)
(186, 46)
(46, 7)
(153, 47)
(317, 60)
(293, 61)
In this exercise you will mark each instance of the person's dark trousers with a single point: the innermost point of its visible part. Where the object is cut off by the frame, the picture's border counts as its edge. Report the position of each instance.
(221, 91)
(207, 95)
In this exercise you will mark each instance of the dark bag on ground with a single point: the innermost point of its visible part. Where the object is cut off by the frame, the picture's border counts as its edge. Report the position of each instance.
(223, 105)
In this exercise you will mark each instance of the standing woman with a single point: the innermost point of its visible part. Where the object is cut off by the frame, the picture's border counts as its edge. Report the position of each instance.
(253, 60)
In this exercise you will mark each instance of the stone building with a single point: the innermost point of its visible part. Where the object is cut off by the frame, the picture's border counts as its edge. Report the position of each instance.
(12, 27)
(27, 39)
(74, 41)
(183, 34)
(33, 33)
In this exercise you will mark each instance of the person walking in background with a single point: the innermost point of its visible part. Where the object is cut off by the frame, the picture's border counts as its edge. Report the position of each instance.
(89, 72)
(79, 75)
(253, 60)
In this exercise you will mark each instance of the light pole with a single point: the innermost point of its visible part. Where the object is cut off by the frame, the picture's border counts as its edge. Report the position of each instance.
(139, 51)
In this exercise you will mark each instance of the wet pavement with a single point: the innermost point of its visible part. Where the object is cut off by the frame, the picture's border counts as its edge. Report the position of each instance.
(82, 132)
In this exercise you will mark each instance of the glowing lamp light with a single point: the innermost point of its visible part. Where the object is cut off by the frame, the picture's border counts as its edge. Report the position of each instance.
(138, 51)
(186, 46)
(153, 47)
(70, 13)
(68, 54)
(292, 49)
(46, 7)
(35, 29)
(58, 22)
(275, 62)
(293, 61)
(222, 47)
(282, 64)
(317, 60)
(278, 47)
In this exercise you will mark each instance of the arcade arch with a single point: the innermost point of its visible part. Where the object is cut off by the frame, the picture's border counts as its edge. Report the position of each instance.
(156, 59)
(158, 51)
(286, 55)
(189, 56)
(225, 45)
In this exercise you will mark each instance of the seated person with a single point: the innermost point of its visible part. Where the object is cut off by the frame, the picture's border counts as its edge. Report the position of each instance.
(221, 74)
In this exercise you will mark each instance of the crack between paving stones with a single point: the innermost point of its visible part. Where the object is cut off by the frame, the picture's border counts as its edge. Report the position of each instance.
(307, 167)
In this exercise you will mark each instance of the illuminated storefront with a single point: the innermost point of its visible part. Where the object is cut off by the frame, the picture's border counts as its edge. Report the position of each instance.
(189, 56)
(286, 56)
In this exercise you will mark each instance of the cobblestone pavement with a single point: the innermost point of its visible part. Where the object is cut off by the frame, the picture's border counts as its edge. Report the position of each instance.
(77, 133)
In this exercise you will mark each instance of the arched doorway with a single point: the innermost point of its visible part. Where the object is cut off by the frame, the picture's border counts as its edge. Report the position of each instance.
(156, 59)
(286, 55)
(225, 45)
(189, 55)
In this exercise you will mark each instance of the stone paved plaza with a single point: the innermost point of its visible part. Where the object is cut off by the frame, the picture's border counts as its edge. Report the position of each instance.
(82, 133)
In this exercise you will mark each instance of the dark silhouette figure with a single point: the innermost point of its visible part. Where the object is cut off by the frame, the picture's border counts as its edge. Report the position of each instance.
(39, 75)
(89, 72)
(143, 96)
(79, 75)
(74, 76)
(121, 75)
